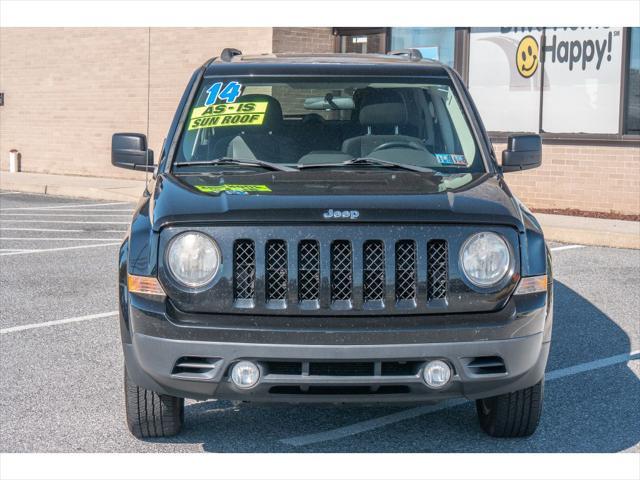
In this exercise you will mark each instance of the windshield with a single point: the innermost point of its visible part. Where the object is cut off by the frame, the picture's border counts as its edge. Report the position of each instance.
(326, 122)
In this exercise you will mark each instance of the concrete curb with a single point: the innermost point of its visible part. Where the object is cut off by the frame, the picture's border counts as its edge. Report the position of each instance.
(601, 239)
(125, 194)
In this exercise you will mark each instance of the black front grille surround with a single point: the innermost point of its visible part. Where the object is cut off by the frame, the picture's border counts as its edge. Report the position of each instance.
(422, 272)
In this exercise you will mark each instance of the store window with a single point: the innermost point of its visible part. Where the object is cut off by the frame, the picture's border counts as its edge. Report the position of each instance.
(583, 71)
(433, 43)
(632, 103)
(361, 40)
(505, 76)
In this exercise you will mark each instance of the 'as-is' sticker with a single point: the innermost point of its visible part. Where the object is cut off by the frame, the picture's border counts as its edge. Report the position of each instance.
(228, 115)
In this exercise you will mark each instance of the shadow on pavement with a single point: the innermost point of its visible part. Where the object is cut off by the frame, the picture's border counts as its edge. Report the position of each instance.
(594, 411)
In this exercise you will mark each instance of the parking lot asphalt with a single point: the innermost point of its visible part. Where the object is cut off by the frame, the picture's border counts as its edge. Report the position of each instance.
(61, 362)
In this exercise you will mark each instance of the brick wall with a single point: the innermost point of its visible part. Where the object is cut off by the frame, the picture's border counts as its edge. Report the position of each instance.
(303, 40)
(590, 178)
(68, 89)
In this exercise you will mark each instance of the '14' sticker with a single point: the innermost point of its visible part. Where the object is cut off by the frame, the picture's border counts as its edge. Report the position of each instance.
(229, 93)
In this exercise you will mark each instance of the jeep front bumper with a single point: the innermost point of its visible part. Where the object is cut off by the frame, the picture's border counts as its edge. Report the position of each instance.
(191, 355)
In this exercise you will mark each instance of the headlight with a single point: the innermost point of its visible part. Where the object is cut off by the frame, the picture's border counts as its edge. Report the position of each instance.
(485, 259)
(193, 259)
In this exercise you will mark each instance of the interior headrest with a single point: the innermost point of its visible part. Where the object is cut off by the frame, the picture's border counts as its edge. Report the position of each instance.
(382, 107)
(273, 115)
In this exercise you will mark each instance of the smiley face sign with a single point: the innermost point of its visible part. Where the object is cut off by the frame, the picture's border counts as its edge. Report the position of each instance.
(527, 56)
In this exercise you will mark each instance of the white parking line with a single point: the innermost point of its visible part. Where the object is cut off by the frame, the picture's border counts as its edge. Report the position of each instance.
(566, 247)
(55, 230)
(66, 205)
(59, 249)
(53, 239)
(36, 214)
(374, 423)
(73, 210)
(42, 230)
(16, 250)
(64, 221)
(31, 326)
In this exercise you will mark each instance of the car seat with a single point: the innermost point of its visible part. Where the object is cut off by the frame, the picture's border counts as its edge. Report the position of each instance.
(267, 141)
(380, 109)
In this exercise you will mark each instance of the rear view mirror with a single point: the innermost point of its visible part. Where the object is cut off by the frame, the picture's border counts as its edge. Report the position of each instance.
(523, 152)
(329, 102)
(129, 150)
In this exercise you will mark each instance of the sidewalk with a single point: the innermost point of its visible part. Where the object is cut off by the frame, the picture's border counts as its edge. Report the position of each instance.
(561, 228)
(95, 188)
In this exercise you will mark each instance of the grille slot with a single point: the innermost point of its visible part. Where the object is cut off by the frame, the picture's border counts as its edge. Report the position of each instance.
(487, 366)
(276, 270)
(194, 365)
(436, 269)
(373, 287)
(284, 368)
(341, 270)
(339, 390)
(244, 274)
(400, 368)
(308, 270)
(405, 270)
(342, 369)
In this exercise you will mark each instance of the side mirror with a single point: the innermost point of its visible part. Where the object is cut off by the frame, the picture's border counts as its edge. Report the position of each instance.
(523, 152)
(129, 150)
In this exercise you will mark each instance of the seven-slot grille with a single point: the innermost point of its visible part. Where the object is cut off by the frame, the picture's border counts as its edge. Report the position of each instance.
(372, 263)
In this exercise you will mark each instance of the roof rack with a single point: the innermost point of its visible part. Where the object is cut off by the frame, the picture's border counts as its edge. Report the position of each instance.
(228, 54)
(412, 53)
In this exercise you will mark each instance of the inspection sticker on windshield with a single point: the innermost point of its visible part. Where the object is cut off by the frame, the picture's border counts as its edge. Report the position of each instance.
(228, 115)
(451, 159)
(232, 188)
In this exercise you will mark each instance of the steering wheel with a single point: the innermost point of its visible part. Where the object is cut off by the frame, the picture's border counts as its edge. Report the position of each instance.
(400, 144)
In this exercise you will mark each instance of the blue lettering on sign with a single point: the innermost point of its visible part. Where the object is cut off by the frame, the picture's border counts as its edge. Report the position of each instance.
(229, 93)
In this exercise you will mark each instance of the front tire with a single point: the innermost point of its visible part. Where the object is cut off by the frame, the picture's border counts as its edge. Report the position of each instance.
(514, 414)
(150, 415)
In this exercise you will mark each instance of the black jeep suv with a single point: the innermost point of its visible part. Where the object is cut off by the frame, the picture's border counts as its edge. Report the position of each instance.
(332, 228)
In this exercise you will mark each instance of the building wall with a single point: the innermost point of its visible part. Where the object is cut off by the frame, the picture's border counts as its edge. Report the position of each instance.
(589, 178)
(303, 40)
(68, 89)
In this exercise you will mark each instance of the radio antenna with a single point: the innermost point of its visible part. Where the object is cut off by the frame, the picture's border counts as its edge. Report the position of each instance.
(146, 174)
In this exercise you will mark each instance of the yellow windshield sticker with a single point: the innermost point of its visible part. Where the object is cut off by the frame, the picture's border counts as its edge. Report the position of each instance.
(228, 115)
(232, 188)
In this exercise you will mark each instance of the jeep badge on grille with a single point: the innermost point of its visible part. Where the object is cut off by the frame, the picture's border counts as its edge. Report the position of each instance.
(350, 214)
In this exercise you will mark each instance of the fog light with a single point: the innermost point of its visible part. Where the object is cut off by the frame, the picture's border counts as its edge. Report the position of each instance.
(245, 374)
(436, 373)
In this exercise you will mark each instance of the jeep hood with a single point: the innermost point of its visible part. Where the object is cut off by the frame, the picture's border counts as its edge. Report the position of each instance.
(378, 195)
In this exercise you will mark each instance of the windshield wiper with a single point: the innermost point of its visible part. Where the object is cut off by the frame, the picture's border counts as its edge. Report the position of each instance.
(369, 161)
(237, 161)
